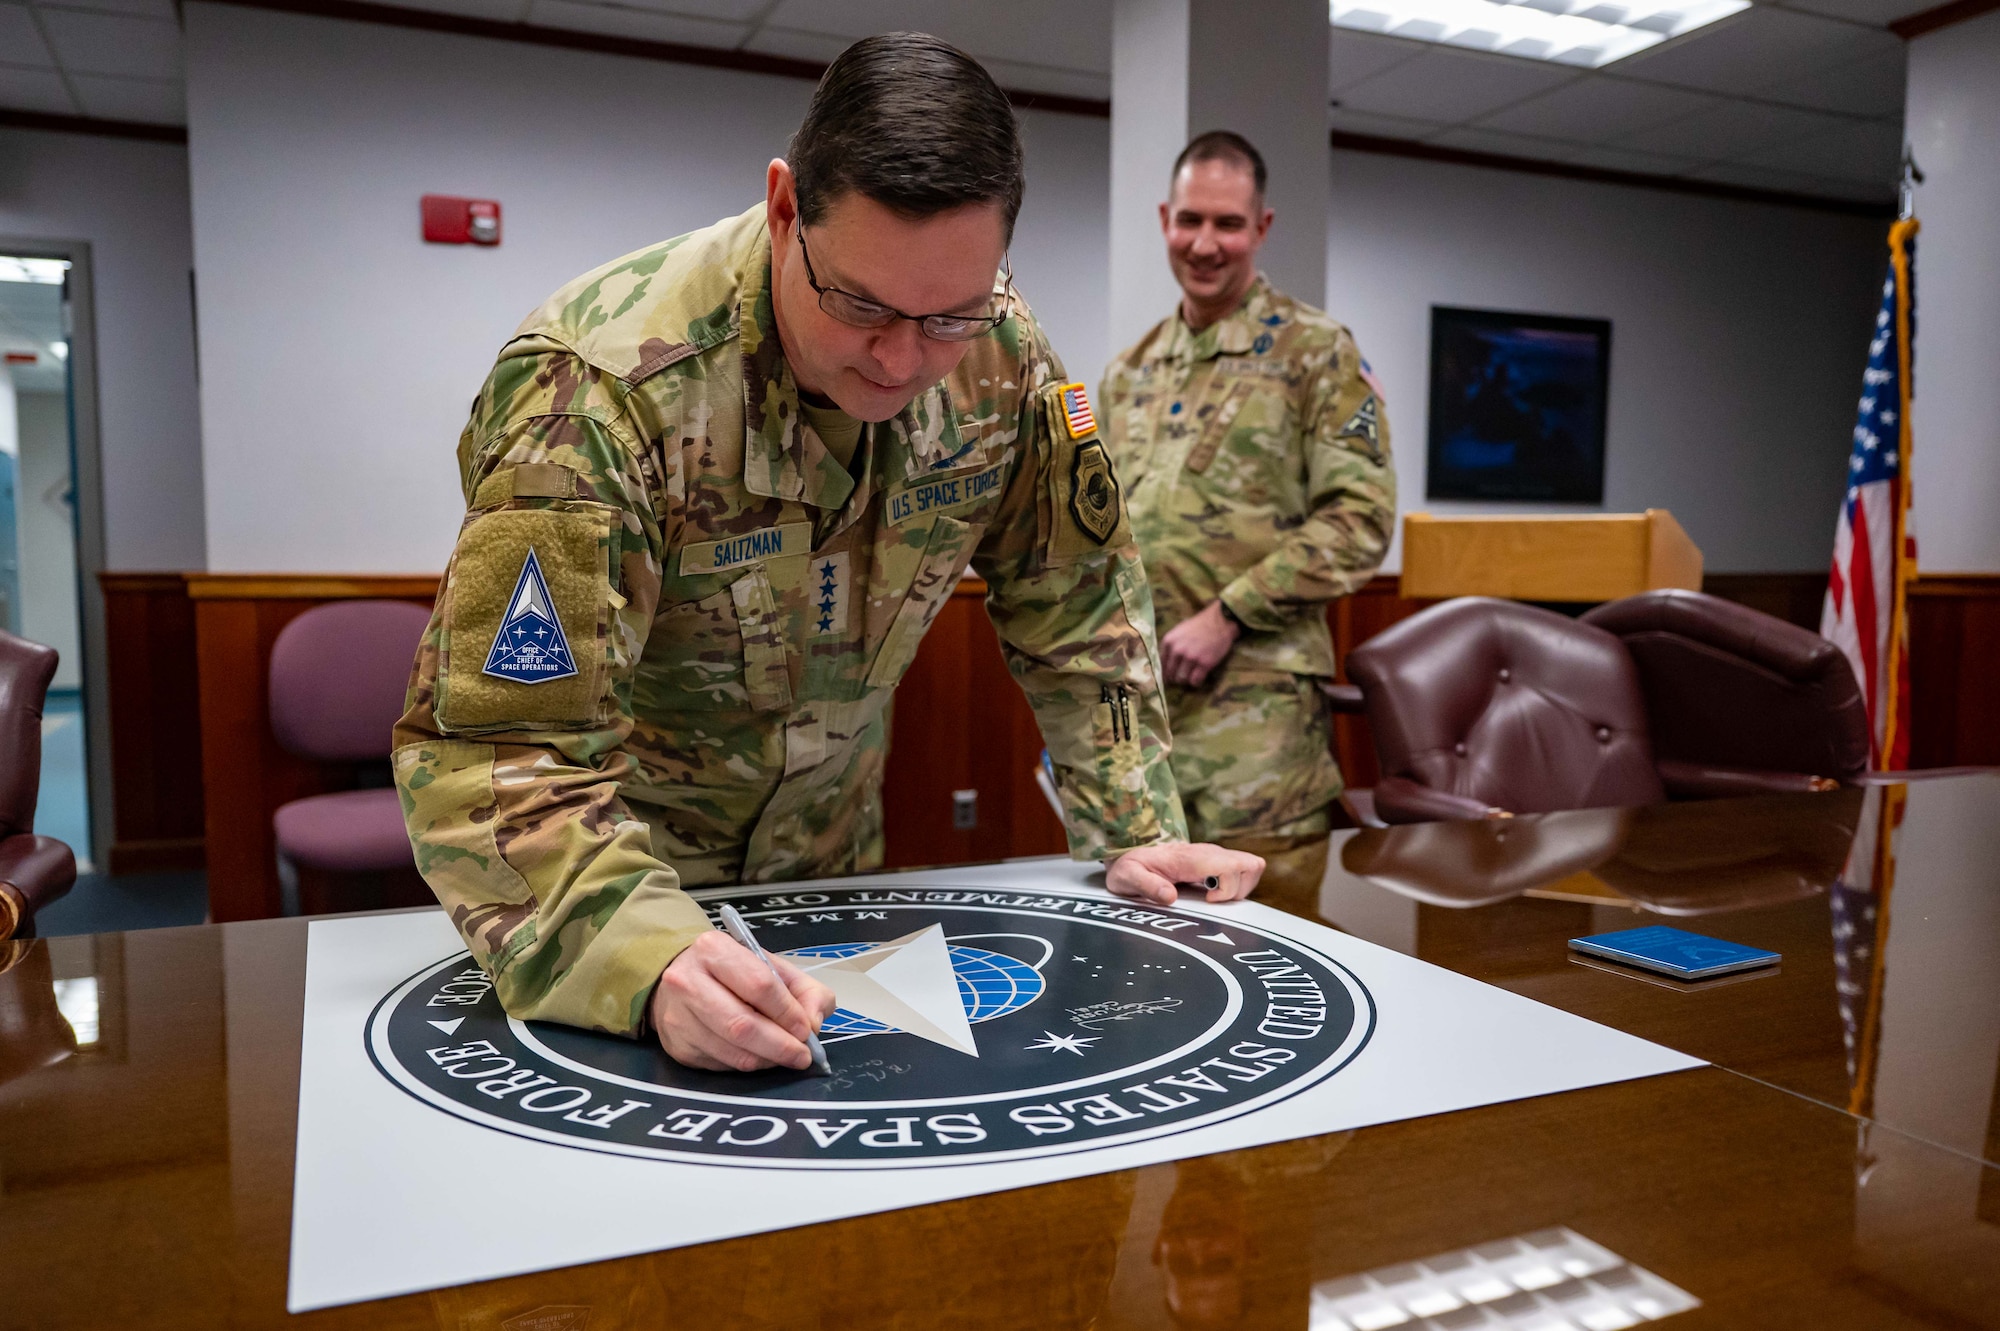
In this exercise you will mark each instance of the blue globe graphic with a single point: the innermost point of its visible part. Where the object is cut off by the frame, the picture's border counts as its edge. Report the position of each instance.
(990, 984)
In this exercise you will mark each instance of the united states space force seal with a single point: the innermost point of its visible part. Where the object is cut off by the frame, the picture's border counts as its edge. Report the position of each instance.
(974, 1024)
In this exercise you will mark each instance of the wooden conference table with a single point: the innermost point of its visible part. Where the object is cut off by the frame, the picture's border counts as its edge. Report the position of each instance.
(1839, 1166)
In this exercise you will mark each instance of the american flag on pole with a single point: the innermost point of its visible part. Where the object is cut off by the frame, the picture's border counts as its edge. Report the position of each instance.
(1866, 616)
(1874, 553)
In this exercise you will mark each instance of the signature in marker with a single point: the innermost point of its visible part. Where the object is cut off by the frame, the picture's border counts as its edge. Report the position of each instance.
(1097, 1014)
(875, 1069)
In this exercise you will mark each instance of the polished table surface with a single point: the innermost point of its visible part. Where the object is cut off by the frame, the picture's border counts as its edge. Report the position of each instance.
(1826, 1172)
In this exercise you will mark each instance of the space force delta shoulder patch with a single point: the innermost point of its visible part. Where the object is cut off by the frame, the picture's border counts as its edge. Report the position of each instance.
(973, 1024)
(530, 647)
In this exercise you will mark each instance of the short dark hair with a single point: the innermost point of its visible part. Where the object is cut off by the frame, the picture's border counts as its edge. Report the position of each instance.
(1222, 145)
(913, 123)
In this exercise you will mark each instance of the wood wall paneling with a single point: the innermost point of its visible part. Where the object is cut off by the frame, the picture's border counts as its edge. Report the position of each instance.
(155, 721)
(961, 723)
(1795, 598)
(1955, 671)
(189, 656)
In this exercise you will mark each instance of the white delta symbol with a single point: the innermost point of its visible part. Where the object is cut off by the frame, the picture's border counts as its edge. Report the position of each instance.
(920, 984)
(530, 647)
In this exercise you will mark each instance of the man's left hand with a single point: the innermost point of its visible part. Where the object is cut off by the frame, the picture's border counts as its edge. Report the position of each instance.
(1154, 873)
(1194, 647)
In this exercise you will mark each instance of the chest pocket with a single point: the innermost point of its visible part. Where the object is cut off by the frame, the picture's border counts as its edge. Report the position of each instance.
(937, 574)
(1251, 440)
(1217, 427)
(724, 652)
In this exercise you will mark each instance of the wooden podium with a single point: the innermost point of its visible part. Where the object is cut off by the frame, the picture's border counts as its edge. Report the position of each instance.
(1547, 557)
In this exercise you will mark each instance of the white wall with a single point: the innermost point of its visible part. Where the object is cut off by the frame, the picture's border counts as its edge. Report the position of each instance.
(341, 352)
(1739, 333)
(1953, 118)
(130, 201)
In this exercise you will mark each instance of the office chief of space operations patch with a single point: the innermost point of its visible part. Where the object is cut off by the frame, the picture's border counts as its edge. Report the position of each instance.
(973, 1025)
(530, 647)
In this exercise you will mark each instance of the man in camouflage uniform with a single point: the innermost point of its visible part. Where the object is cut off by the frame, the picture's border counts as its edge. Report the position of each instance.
(717, 491)
(1254, 452)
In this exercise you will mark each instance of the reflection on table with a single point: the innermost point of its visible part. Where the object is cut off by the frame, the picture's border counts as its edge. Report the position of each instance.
(145, 1174)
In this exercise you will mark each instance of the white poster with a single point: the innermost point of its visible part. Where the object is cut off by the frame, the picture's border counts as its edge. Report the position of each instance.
(999, 1027)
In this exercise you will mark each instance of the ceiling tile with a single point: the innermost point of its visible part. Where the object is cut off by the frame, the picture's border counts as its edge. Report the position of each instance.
(1450, 86)
(1595, 109)
(160, 9)
(1382, 127)
(1868, 87)
(1866, 153)
(34, 90)
(1730, 131)
(646, 25)
(114, 44)
(1065, 34)
(1040, 78)
(1354, 56)
(1757, 48)
(1620, 159)
(1504, 145)
(797, 45)
(1792, 182)
(158, 101)
(500, 11)
(1881, 13)
(727, 11)
(21, 42)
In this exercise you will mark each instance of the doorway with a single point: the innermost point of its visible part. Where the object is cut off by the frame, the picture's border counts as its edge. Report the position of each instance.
(50, 533)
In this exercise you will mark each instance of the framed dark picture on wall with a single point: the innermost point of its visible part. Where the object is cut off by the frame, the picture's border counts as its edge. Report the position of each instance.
(1517, 406)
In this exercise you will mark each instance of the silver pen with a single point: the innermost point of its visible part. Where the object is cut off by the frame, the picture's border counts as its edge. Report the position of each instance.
(740, 931)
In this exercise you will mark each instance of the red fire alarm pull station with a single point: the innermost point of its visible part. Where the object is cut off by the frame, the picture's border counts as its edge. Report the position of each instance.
(450, 220)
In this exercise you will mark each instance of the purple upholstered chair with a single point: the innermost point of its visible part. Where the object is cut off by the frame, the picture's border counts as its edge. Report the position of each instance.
(338, 674)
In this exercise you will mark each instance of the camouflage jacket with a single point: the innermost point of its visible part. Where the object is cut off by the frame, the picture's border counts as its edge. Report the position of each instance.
(665, 641)
(1255, 460)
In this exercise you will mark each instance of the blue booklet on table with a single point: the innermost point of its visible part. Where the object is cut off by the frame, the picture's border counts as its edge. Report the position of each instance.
(1674, 952)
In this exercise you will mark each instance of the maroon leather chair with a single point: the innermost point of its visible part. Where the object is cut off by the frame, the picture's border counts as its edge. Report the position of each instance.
(1481, 707)
(34, 870)
(1738, 702)
(337, 678)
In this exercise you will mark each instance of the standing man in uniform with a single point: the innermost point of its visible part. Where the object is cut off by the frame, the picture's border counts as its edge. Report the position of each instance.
(717, 490)
(1251, 442)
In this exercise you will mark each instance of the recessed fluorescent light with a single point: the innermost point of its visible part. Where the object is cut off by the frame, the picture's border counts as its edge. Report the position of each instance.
(42, 272)
(1589, 33)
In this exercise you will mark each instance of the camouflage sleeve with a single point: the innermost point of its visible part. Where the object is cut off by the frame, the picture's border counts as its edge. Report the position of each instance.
(1351, 501)
(508, 758)
(1069, 600)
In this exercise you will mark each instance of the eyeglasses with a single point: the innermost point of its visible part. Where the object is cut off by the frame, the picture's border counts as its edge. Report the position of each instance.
(852, 310)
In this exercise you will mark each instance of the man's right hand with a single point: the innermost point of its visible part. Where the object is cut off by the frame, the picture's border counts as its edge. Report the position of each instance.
(717, 1007)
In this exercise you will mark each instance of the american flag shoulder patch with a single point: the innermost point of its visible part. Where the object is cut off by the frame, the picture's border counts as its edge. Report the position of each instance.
(1077, 416)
